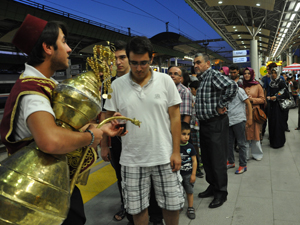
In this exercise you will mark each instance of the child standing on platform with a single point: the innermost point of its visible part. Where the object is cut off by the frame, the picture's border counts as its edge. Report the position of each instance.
(188, 167)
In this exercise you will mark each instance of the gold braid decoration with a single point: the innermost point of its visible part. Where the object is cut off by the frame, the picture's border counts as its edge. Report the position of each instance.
(104, 62)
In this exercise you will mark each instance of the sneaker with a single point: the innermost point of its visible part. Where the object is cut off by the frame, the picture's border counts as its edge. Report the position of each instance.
(229, 165)
(191, 213)
(241, 170)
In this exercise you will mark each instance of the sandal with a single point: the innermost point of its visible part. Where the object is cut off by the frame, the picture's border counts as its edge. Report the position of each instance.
(121, 214)
(191, 213)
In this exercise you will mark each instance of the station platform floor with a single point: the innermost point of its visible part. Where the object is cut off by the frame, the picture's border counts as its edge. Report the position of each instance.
(267, 194)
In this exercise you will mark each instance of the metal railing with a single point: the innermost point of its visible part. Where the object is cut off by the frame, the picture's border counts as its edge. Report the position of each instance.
(71, 16)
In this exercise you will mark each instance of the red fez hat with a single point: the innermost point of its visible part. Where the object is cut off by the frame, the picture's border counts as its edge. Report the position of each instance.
(28, 33)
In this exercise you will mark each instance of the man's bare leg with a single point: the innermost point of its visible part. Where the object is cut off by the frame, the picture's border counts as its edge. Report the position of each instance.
(171, 217)
(142, 218)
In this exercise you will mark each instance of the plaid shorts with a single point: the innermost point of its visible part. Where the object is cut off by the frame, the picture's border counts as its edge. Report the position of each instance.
(136, 184)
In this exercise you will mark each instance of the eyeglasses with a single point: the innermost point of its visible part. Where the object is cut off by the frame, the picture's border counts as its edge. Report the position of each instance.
(136, 64)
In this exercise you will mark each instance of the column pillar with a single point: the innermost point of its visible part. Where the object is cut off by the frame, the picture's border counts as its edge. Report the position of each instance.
(254, 57)
(290, 56)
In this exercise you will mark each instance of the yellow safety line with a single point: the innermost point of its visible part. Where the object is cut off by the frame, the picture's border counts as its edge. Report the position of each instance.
(98, 182)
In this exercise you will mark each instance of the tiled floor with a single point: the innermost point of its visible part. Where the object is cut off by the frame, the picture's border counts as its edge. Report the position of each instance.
(268, 193)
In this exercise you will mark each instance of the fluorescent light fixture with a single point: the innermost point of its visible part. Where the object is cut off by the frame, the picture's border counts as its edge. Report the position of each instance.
(289, 24)
(240, 37)
(283, 36)
(285, 31)
(220, 2)
(297, 7)
(235, 30)
(292, 17)
(245, 46)
(257, 4)
(234, 27)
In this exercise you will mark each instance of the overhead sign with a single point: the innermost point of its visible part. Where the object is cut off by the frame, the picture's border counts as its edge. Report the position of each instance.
(240, 53)
(241, 59)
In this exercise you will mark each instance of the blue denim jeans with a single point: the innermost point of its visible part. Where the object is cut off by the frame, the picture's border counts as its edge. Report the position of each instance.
(237, 132)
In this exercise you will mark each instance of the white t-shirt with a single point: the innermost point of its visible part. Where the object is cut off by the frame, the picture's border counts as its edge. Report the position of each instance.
(237, 108)
(151, 144)
(29, 104)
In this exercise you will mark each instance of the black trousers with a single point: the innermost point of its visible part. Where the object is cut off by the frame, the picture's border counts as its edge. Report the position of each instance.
(115, 153)
(76, 215)
(214, 148)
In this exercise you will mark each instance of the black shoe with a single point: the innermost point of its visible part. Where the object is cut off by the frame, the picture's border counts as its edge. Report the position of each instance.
(205, 194)
(288, 130)
(217, 202)
(199, 174)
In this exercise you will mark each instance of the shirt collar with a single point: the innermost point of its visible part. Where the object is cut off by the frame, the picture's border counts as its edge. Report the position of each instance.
(134, 83)
(30, 71)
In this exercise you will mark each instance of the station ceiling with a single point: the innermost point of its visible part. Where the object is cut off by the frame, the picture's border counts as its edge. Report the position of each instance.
(273, 23)
(84, 33)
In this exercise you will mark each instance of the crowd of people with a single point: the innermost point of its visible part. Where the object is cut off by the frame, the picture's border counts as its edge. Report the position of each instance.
(189, 121)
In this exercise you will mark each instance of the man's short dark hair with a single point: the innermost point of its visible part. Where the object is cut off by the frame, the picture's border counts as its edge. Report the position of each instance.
(195, 84)
(185, 126)
(49, 36)
(234, 67)
(139, 45)
(120, 45)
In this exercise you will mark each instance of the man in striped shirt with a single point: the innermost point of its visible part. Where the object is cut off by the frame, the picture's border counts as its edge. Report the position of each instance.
(213, 95)
(185, 94)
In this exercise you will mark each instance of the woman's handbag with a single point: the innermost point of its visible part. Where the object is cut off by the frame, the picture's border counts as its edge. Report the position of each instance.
(259, 115)
(286, 104)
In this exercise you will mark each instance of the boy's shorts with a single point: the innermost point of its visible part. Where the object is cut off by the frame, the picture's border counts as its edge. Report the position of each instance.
(136, 185)
(187, 185)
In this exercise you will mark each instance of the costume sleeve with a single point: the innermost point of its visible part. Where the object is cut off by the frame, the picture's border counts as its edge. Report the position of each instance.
(35, 103)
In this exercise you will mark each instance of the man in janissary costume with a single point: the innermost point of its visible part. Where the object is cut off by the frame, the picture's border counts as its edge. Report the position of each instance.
(28, 115)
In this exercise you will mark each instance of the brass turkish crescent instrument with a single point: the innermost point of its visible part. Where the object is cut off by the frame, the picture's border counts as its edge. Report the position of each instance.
(35, 186)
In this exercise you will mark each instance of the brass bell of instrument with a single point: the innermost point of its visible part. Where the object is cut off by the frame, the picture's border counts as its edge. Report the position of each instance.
(76, 101)
(34, 188)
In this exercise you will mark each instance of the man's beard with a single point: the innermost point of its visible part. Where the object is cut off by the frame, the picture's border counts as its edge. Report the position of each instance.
(57, 64)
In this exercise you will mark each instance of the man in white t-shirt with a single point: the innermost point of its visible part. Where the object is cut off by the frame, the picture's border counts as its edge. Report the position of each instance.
(153, 150)
(28, 115)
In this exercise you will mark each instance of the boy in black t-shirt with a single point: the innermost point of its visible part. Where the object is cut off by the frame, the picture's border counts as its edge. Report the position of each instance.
(188, 167)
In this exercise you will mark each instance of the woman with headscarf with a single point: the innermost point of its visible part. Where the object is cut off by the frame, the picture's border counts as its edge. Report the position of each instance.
(278, 91)
(224, 70)
(256, 96)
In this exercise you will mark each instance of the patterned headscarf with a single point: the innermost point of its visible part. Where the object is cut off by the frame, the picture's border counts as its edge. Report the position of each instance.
(249, 83)
(274, 83)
